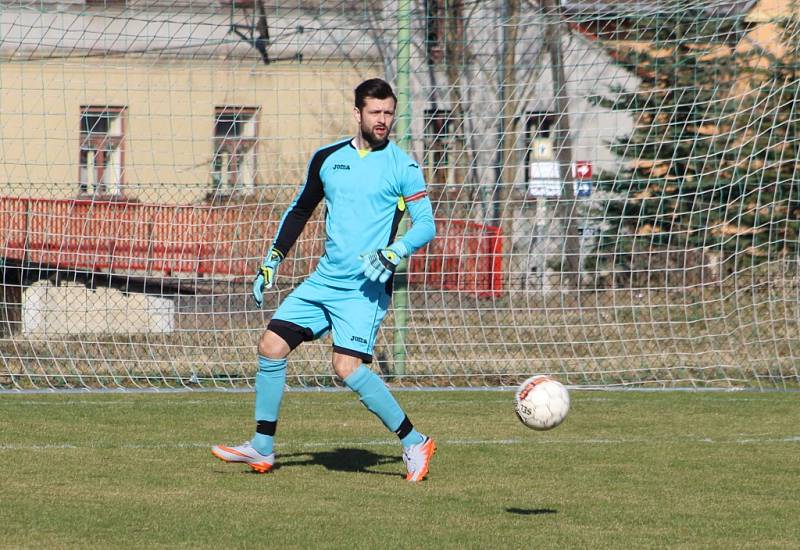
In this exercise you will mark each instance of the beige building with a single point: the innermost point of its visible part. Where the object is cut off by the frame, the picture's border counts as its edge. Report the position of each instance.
(85, 113)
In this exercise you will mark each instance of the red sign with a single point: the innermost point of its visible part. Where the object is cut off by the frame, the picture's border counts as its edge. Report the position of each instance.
(583, 170)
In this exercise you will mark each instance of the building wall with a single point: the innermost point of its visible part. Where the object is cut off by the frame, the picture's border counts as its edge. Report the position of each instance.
(72, 308)
(170, 120)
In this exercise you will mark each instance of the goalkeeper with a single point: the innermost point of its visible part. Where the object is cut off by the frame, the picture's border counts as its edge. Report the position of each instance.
(367, 183)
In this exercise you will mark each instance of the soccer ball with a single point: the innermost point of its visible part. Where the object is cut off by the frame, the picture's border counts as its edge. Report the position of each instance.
(542, 402)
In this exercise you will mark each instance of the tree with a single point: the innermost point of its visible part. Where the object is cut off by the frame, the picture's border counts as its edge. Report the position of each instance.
(699, 182)
(766, 152)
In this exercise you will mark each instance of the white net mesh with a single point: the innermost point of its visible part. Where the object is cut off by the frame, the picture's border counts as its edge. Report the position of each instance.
(615, 187)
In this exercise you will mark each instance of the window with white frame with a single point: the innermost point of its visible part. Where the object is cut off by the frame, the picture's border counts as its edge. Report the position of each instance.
(102, 151)
(233, 168)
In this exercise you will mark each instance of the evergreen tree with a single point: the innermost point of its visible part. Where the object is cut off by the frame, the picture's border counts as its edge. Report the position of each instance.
(706, 176)
(765, 161)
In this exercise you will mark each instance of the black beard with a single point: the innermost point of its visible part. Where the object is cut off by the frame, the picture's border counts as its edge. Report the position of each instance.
(372, 139)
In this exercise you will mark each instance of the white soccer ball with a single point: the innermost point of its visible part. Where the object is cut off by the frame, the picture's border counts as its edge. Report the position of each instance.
(542, 403)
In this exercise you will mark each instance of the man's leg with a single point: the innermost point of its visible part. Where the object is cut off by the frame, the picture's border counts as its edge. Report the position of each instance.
(356, 315)
(298, 319)
(376, 397)
(270, 381)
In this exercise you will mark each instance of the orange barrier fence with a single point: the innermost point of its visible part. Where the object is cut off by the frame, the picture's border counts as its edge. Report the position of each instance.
(212, 240)
(464, 256)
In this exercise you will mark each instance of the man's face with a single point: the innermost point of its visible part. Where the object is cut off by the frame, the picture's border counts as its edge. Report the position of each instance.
(375, 120)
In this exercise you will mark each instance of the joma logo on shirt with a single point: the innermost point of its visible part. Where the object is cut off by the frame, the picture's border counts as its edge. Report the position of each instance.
(341, 167)
(358, 339)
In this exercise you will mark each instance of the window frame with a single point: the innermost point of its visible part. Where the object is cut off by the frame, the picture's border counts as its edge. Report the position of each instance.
(102, 146)
(434, 31)
(237, 149)
(441, 145)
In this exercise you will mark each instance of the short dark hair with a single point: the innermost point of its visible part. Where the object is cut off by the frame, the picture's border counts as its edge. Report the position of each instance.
(376, 88)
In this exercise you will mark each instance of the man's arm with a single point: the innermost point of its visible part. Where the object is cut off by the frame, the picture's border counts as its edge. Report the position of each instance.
(381, 264)
(292, 223)
(423, 228)
(301, 209)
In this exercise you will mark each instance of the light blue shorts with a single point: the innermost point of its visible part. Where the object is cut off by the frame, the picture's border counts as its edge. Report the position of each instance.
(352, 314)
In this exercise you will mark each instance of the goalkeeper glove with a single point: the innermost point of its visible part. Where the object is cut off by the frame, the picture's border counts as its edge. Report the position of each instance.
(381, 264)
(265, 277)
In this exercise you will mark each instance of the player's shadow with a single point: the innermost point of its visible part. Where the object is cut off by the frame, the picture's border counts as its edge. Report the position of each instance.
(339, 460)
(530, 511)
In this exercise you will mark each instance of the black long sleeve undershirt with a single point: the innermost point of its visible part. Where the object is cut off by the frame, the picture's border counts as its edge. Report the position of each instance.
(301, 210)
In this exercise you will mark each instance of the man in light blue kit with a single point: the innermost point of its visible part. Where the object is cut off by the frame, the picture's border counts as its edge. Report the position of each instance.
(367, 183)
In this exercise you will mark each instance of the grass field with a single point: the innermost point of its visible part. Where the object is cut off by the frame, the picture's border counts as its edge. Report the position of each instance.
(626, 470)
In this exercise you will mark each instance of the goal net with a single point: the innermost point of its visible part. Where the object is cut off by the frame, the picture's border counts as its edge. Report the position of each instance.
(615, 187)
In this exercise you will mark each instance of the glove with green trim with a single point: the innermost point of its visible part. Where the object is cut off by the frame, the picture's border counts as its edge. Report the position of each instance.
(381, 264)
(265, 277)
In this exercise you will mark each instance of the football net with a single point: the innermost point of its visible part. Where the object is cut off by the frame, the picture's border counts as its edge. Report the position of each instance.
(615, 187)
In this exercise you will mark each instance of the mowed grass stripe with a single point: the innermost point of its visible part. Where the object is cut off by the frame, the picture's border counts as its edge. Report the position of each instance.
(625, 470)
(744, 439)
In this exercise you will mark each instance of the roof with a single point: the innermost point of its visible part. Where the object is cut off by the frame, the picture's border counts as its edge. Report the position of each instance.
(769, 10)
(721, 8)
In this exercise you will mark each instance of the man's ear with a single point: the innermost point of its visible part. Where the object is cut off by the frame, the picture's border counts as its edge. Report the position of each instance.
(357, 114)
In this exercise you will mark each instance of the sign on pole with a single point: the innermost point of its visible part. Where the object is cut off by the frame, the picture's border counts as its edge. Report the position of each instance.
(544, 178)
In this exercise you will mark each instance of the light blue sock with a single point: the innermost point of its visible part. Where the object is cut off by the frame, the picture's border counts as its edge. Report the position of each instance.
(374, 394)
(270, 380)
(413, 438)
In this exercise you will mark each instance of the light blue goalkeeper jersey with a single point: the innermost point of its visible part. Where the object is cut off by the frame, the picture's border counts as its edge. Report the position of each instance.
(365, 198)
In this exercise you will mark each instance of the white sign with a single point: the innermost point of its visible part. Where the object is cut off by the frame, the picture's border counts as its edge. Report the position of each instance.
(544, 179)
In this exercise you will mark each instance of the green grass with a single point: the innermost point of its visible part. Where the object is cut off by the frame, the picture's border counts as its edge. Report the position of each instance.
(626, 470)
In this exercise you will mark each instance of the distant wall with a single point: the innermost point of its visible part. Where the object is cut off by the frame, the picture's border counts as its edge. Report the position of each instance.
(75, 309)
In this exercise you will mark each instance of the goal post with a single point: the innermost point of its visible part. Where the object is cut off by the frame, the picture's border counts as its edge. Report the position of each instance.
(615, 188)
